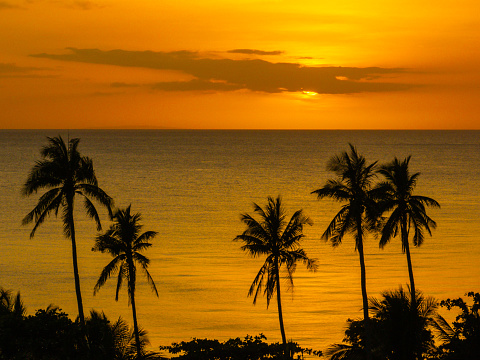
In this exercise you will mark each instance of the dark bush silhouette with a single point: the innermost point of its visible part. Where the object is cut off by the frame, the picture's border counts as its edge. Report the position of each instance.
(461, 340)
(250, 348)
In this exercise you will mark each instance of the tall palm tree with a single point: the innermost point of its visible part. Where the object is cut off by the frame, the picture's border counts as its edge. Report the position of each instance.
(124, 242)
(64, 173)
(405, 210)
(279, 240)
(353, 186)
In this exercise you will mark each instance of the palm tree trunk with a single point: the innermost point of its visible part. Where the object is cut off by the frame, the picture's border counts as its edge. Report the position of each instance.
(363, 279)
(406, 247)
(412, 281)
(134, 309)
(280, 313)
(75, 270)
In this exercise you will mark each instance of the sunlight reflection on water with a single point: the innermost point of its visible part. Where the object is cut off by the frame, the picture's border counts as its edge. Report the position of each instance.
(191, 186)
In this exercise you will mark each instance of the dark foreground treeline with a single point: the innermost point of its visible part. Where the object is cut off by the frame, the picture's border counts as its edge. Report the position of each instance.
(400, 332)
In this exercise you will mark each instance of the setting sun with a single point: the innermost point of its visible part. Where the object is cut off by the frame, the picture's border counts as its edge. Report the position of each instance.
(101, 63)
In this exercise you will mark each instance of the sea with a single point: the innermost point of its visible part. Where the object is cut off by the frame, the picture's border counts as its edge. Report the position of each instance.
(191, 186)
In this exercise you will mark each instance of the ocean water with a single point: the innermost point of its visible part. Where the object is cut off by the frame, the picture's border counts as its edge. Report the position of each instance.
(192, 186)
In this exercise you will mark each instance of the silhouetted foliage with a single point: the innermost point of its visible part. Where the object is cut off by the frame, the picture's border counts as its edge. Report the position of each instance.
(461, 340)
(64, 173)
(405, 210)
(398, 331)
(354, 187)
(250, 348)
(51, 334)
(12, 313)
(125, 243)
(279, 241)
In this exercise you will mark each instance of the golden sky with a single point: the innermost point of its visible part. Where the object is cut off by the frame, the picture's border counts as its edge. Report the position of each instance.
(279, 64)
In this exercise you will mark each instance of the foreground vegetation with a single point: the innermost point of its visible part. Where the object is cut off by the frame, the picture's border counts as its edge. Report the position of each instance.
(398, 333)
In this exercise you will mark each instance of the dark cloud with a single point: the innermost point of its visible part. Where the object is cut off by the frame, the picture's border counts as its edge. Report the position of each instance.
(253, 74)
(255, 52)
(196, 85)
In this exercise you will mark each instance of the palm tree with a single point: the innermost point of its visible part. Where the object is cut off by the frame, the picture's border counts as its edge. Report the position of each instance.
(115, 341)
(353, 187)
(124, 242)
(280, 242)
(405, 210)
(397, 335)
(64, 173)
(10, 304)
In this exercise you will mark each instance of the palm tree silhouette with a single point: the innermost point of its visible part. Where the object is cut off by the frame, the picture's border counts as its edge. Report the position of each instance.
(406, 210)
(65, 173)
(397, 334)
(115, 340)
(353, 186)
(124, 242)
(280, 242)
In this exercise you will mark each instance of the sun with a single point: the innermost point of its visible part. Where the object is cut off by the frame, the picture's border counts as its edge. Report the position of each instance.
(309, 93)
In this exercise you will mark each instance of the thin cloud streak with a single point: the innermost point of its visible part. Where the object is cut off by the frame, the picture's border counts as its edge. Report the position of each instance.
(6, 5)
(252, 74)
(12, 70)
(255, 52)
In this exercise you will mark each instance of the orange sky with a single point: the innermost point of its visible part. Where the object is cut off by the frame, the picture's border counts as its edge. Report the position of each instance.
(281, 64)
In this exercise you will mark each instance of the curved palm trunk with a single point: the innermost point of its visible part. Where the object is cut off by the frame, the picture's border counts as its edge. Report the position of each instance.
(363, 280)
(75, 265)
(134, 309)
(406, 245)
(280, 313)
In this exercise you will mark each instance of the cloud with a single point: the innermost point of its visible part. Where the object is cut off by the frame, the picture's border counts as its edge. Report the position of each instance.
(86, 5)
(253, 74)
(255, 52)
(12, 70)
(5, 5)
(123, 85)
(196, 85)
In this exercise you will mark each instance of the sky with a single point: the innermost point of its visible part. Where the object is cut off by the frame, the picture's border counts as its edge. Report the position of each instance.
(239, 64)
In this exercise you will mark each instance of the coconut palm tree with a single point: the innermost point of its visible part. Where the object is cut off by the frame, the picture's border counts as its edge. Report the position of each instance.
(125, 243)
(279, 240)
(406, 211)
(353, 187)
(64, 173)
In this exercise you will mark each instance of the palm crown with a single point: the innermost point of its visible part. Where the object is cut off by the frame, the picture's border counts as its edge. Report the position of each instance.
(279, 240)
(65, 173)
(398, 199)
(124, 242)
(353, 186)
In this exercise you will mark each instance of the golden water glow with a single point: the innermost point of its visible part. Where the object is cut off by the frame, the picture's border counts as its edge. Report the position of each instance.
(423, 62)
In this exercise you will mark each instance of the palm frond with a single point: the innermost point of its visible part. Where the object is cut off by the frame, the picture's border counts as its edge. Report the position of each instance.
(142, 241)
(107, 271)
(96, 193)
(42, 210)
(92, 212)
(257, 283)
(339, 225)
(150, 280)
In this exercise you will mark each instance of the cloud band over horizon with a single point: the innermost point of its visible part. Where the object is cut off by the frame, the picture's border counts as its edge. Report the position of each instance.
(222, 74)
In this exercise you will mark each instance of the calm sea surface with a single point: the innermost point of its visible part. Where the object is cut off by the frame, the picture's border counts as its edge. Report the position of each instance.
(191, 186)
